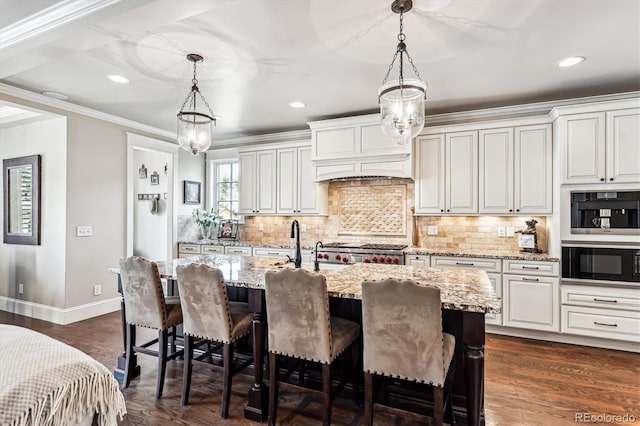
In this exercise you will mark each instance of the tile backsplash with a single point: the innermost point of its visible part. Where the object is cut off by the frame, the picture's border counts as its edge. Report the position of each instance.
(465, 233)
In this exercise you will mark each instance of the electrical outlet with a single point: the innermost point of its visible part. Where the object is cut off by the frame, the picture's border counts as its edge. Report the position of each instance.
(432, 230)
(261, 226)
(20, 288)
(84, 231)
(501, 231)
(303, 228)
(97, 290)
(511, 231)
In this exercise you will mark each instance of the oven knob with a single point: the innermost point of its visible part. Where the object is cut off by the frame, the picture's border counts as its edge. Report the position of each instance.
(345, 260)
(326, 256)
(338, 257)
(366, 260)
(388, 260)
(374, 259)
(396, 260)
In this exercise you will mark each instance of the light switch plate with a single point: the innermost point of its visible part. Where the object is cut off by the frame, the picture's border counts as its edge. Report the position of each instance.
(84, 231)
(501, 231)
(432, 230)
(303, 228)
(511, 231)
(261, 226)
(97, 290)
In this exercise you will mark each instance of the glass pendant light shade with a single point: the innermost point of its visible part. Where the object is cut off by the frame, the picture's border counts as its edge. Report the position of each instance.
(402, 109)
(195, 118)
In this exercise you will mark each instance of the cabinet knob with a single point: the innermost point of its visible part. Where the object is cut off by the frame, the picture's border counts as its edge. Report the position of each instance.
(442, 210)
(517, 210)
(611, 179)
(448, 210)
(510, 210)
(601, 179)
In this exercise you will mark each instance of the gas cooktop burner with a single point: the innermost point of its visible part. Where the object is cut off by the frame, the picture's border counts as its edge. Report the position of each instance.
(383, 246)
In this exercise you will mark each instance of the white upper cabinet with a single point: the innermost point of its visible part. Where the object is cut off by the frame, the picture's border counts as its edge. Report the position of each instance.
(430, 174)
(623, 146)
(533, 177)
(447, 173)
(297, 192)
(515, 170)
(496, 152)
(601, 147)
(461, 166)
(257, 182)
(356, 146)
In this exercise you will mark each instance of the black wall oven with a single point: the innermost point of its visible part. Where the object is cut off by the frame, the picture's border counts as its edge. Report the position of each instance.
(601, 263)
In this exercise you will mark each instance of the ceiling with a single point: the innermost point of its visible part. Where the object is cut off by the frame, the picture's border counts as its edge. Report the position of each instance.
(330, 54)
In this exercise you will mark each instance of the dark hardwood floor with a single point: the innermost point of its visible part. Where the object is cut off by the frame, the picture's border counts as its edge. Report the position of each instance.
(526, 383)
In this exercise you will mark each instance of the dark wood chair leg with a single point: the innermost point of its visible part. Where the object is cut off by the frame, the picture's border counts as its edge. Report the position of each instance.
(131, 341)
(368, 399)
(355, 368)
(326, 394)
(301, 373)
(228, 375)
(162, 361)
(437, 406)
(273, 388)
(188, 368)
(172, 338)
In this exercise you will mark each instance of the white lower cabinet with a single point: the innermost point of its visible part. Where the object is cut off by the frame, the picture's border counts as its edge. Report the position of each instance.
(241, 251)
(605, 312)
(273, 252)
(496, 282)
(418, 260)
(531, 302)
(188, 250)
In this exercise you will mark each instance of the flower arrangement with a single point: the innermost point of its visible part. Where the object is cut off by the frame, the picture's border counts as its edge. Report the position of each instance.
(205, 219)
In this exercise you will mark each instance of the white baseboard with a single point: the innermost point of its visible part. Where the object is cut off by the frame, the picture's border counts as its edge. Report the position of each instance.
(597, 342)
(61, 316)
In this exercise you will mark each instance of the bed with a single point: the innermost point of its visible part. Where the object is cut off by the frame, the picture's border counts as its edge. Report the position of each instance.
(44, 382)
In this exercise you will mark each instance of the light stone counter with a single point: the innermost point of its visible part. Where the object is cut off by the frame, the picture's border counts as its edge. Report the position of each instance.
(488, 254)
(461, 289)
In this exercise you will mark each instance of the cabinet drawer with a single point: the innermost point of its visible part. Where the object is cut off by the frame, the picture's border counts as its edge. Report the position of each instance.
(531, 267)
(601, 297)
(272, 252)
(417, 260)
(213, 249)
(490, 265)
(189, 248)
(243, 251)
(605, 323)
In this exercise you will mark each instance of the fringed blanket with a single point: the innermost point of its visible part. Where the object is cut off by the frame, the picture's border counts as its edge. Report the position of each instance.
(46, 382)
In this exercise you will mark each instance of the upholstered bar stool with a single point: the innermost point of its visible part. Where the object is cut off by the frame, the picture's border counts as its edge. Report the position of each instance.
(300, 327)
(403, 339)
(209, 316)
(145, 306)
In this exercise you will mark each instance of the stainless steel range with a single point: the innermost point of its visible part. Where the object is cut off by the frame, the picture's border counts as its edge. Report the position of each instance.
(348, 253)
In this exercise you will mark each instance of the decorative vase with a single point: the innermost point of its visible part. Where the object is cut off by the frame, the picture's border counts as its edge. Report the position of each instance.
(205, 230)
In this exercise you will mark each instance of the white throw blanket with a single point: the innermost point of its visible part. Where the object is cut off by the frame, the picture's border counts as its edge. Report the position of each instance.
(46, 382)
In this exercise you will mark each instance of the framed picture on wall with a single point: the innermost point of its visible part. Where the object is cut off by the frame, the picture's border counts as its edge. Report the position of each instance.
(155, 178)
(191, 192)
(228, 229)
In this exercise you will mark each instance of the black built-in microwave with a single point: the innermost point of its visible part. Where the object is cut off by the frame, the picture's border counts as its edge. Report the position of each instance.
(601, 263)
(605, 212)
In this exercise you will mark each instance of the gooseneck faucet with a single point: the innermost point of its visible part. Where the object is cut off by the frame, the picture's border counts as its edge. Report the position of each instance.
(316, 264)
(295, 232)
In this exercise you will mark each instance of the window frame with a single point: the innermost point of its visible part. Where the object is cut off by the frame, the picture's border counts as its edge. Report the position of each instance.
(214, 184)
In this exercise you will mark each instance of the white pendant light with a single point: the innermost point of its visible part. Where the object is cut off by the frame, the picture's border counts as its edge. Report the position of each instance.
(402, 100)
(195, 131)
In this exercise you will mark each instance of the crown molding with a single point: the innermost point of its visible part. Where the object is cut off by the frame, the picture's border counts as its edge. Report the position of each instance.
(47, 19)
(290, 136)
(6, 89)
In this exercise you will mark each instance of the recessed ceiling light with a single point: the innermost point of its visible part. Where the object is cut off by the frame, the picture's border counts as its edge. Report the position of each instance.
(55, 95)
(297, 104)
(570, 61)
(118, 79)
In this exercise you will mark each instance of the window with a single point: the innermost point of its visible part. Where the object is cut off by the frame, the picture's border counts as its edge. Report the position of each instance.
(226, 189)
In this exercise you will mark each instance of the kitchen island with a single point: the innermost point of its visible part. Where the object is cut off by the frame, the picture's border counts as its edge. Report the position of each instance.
(466, 296)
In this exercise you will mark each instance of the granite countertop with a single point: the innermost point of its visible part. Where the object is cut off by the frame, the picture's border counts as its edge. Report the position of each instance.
(493, 255)
(408, 251)
(461, 289)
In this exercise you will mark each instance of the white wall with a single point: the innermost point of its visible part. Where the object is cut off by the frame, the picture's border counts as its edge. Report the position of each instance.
(40, 268)
(149, 230)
